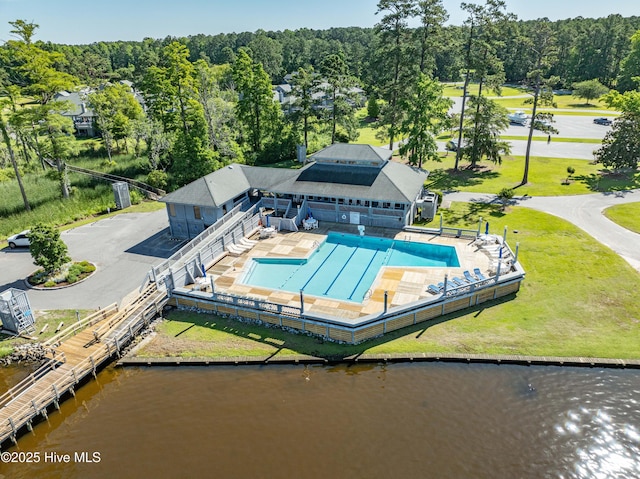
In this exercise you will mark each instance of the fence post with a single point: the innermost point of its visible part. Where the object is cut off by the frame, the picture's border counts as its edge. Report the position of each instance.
(441, 221)
(479, 226)
(504, 235)
(515, 258)
(301, 302)
(385, 301)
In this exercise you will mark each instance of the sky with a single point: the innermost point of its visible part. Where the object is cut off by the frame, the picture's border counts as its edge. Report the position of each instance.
(77, 22)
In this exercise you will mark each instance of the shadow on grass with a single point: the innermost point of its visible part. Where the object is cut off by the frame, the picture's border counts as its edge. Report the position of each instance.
(468, 214)
(451, 180)
(610, 181)
(311, 345)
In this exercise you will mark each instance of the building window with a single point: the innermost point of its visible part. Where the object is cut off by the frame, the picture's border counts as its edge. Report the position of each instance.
(172, 209)
(341, 201)
(196, 213)
(375, 204)
(367, 203)
(399, 206)
(386, 205)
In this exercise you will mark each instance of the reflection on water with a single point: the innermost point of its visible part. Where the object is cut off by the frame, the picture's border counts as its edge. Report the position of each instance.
(397, 420)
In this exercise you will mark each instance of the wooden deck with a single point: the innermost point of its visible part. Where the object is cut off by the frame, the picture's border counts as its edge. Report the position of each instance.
(73, 354)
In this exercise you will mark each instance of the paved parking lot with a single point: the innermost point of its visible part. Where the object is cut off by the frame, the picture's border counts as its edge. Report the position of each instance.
(123, 247)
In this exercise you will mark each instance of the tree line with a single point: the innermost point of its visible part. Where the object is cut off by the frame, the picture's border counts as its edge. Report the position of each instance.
(587, 49)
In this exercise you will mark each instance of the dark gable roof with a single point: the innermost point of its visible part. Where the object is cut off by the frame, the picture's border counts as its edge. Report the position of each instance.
(351, 152)
(393, 182)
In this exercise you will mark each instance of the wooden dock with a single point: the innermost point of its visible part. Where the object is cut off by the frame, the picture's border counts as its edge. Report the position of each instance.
(72, 355)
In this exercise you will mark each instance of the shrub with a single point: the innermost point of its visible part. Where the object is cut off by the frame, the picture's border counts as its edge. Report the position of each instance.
(157, 179)
(49, 284)
(136, 197)
(86, 267)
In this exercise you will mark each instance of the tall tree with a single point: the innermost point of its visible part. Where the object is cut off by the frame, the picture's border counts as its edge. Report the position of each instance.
(305, 83)
(428, 35)
(629, 78)
(395, 68)
(337, 86)
(255, 108)
(426, 116)
(589, 89)
(484, 25)
(542, 45)
(4, 130)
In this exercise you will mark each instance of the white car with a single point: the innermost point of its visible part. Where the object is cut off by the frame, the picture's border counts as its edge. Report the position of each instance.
(21, 239)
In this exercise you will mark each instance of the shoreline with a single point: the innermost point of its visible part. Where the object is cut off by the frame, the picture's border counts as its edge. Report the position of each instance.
(383, 358)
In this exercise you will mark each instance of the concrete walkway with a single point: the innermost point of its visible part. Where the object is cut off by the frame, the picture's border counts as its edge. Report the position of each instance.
(584, 211)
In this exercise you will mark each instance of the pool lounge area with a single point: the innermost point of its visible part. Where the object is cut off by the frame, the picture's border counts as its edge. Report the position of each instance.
(405, 283)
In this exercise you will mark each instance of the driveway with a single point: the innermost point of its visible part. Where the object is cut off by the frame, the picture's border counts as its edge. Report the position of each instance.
(584, 211)
(123, 247)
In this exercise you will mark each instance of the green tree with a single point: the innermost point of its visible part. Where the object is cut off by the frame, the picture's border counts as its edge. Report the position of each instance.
(589, 89)
(483, 61)
(268, 52)
(255, 109)
(4, 130)
(621, 145)
(482, 131)
(505, 195)
(629, 78)
(395, 68)
(47, 248)
(428, 35)
(116, 109)
(304, 84)
(426, 115)
(542, 44)
(338, 84)
(373, 108)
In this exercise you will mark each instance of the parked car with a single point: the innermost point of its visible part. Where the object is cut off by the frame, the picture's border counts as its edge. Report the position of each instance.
(542, 125)
(602, 121)
(518, 118)
(21, 239)
(452, 145)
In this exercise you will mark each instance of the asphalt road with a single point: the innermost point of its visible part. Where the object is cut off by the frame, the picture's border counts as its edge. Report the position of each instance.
(123, 247)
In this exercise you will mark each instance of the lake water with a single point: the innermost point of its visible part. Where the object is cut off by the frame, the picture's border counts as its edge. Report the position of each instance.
(363, 421)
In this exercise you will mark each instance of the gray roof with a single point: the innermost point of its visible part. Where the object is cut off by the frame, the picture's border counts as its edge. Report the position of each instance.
(77, 102)
(393, 182)
(215, 189)
(344, 151)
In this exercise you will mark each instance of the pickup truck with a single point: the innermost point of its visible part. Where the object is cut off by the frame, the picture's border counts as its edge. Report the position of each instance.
(602, 121)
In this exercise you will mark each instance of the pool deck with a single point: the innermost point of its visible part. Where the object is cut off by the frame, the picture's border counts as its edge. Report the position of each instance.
(404, 285)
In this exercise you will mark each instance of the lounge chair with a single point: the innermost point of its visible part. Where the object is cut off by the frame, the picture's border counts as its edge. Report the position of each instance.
(248, 242)
(441, 286)
(479, 274)
(433, 289)
(456, 282)
(469, 277)
(461, 281)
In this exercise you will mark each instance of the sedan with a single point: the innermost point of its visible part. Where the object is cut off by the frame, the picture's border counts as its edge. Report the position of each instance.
(602, 121)
(21, 239)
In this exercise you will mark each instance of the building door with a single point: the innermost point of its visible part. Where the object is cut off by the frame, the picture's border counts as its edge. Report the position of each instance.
(354, 217)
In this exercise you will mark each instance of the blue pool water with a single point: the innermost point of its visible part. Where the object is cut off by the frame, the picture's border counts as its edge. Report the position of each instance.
(344, 266)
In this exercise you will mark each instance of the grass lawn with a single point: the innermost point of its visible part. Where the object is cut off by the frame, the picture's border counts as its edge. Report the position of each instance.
(89, 197)
(578, 299)
(53, 318)
(456, 90)
(627, 215)
(546, 177)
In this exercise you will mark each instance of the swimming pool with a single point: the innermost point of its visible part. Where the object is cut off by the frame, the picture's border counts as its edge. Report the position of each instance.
(344, 266)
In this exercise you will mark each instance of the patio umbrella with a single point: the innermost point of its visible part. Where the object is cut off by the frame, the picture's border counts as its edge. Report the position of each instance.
(204, 271)
(486, 229)
(267, 221)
